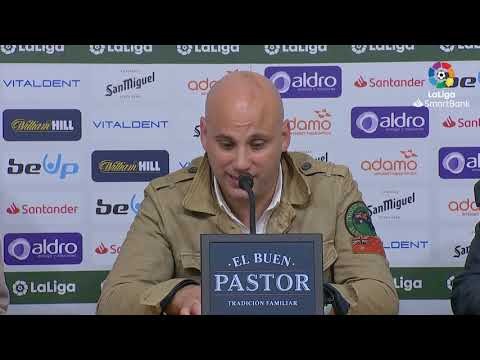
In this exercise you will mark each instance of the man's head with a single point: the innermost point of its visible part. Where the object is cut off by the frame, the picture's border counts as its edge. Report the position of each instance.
(244, 132)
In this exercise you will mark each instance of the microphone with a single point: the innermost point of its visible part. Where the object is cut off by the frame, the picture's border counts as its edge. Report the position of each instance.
(245, 182)
(476, 190)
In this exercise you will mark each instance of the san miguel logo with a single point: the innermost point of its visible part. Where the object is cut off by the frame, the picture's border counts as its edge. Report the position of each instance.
(129, 165)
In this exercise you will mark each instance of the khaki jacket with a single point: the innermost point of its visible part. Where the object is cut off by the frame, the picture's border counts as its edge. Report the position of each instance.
(4, 295)
(162, 246)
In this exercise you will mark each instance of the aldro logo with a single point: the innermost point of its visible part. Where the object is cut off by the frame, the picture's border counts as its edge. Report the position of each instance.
(19, 49)
(185, 50)
(406, 165)
(120, 49)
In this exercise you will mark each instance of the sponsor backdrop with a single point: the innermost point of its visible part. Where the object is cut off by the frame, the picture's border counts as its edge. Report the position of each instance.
(86, 127)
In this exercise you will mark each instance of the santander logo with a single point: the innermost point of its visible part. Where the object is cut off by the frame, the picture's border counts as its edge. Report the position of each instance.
(13, 209)
(360, 83)
(102, 249)
(449, 122)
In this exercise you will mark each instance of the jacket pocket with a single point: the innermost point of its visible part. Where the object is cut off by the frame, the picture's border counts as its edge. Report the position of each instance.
(190, 261)
(329, 254)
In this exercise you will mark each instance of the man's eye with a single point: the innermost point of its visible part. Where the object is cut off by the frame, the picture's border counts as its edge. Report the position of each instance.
(258, 144)
(226, 145)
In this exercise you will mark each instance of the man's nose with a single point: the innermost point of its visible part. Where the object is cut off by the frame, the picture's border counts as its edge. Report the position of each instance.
(242, 161)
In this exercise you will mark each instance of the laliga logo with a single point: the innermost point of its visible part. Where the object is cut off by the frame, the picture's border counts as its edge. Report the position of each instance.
(20, 288)
(359, 49)
(184, 49)
(447, 48)
(272, 49)
(441, 75)
(454, 162)
(450, 282)
(97, 49)
(8, 49)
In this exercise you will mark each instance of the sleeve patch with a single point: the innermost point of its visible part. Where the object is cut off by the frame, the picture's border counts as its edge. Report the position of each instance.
(367, 245)
(358, 221)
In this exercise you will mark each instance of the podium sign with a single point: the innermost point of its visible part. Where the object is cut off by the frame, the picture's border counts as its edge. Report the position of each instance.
(267, 274)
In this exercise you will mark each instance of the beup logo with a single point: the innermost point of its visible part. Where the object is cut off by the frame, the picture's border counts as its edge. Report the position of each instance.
(360, 49)
(407, 284)
(117, 209)
(321, 124)
(399, 167)
(47, 49)
(129, 84)
(459, 162)
(306, 81)
(295, 49)
(13, 209)
(120, 49)
(112, 249)
(451, 48)
(21, 287)
(129, 165)
(43, 209)
(203, 86)
(43, 248)
(185, 50)
(389, 122)
(51, 168)
(465, 207)
(460, 123)
(388, 83)
(42, 125)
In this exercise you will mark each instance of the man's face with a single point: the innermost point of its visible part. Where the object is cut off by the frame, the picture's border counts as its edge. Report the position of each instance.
(245, 137)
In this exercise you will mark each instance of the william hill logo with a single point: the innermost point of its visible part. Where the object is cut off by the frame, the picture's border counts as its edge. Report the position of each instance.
(129, 165)
(42, 125)
(406, 165)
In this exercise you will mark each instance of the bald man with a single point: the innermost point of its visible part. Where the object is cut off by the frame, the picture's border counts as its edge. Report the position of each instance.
(244, 132)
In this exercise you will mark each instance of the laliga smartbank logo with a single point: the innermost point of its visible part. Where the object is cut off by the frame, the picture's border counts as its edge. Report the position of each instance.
(120, 49)
(406, 165)
(459, 162)
(320, 124)
(295, 49)
(46, 49)
(361, 49)
(186, 50)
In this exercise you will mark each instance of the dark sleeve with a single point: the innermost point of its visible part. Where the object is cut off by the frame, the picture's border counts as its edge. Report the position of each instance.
(466, 286)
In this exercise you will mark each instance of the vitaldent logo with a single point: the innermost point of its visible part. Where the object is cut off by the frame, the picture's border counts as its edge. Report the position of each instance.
(129, 165)
(320, 124)
(405, 244)
(306, 81)
(388, 209)
(128, 85)
(42, 209)
(459, 162)
(130, 124)
(452, 48)
(19, 49)
(295, 49)
(42, 248)
(120, 49)
(185, 50)
(21, 287)
(389, 122)
(459, 123)
(406, 165)
(42, 125)
(361, 49)
(203, 86)
(463, 207)
(40, 84)
(382, 83)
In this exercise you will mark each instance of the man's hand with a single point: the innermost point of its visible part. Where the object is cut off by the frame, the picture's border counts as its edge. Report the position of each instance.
(187, 301)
